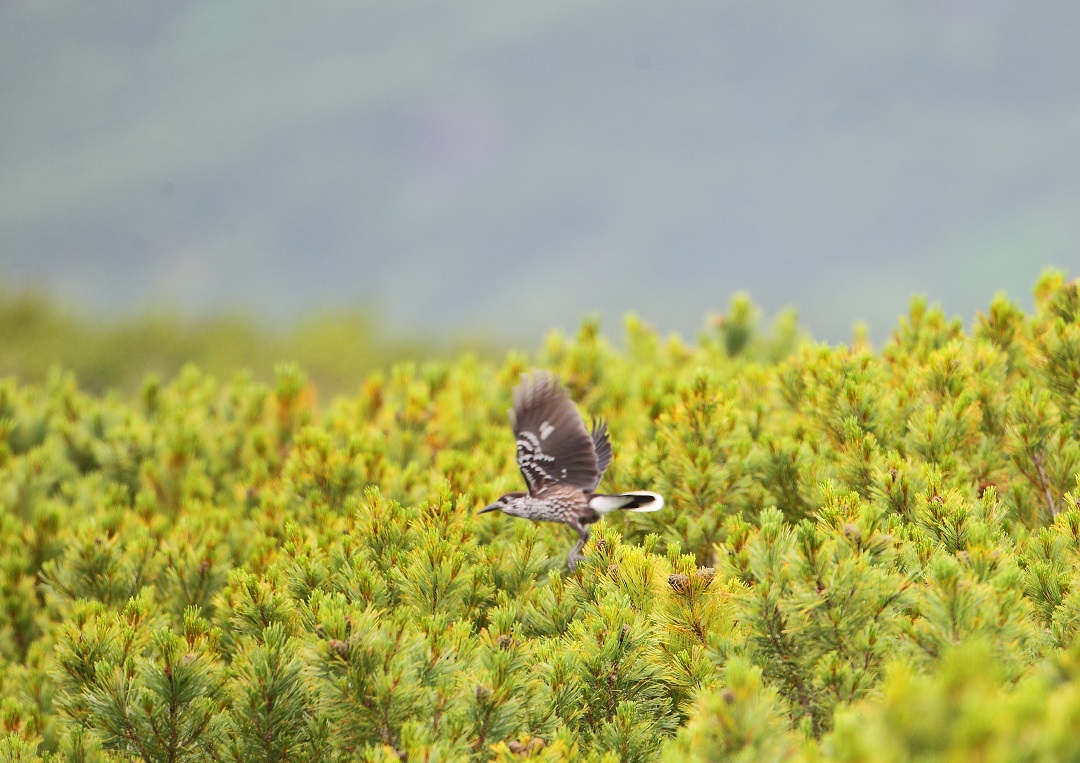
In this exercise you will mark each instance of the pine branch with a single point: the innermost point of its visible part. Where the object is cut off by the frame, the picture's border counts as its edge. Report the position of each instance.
(1051, 504)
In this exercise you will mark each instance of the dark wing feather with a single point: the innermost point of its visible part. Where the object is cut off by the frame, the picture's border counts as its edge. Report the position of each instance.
(553, 446)
(602, 447)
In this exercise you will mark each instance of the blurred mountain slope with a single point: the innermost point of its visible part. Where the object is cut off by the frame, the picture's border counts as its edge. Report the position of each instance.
(511, 168)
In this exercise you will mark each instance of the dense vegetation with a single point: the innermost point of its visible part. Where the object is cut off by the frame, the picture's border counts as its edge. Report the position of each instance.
(867, 556)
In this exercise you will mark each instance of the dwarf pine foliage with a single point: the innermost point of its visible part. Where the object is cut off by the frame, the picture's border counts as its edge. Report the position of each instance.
(867, 555)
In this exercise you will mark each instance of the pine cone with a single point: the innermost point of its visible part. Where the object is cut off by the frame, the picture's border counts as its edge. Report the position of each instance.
(679, 583)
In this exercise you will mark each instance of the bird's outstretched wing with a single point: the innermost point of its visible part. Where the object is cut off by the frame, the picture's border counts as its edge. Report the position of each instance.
(602, 447)
(553, 446)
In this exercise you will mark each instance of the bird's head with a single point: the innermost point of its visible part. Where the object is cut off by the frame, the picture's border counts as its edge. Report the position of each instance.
(505, 503)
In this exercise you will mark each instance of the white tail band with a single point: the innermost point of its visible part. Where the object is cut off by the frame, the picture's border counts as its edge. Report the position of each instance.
(637, 501)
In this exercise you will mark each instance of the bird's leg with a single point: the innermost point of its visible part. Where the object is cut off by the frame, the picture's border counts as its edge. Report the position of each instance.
(575, 553)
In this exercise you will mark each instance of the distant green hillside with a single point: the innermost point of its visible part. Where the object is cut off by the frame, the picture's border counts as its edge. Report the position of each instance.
(336, 349)
(514, 168)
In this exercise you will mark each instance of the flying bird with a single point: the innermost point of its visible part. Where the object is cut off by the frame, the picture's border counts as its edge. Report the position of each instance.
(562, 463)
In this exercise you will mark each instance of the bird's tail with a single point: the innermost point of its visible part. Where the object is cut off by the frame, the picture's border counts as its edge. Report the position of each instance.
(641, 500)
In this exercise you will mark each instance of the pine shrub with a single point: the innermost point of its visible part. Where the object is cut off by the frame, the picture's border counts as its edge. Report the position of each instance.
(866, 555)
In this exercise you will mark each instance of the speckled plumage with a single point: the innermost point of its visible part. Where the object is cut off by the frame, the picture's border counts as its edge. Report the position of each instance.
(562, 463)
(558, 503)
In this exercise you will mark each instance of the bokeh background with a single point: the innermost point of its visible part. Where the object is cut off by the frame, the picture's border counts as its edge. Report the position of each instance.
(447, 173)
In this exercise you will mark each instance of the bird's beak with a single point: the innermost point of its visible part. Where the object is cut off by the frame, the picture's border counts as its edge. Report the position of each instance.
(486, 509)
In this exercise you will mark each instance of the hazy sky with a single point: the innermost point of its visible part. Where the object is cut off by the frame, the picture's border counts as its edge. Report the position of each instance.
(511, 167)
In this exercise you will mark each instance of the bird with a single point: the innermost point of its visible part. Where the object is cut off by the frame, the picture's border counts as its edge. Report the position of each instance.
(562, 463)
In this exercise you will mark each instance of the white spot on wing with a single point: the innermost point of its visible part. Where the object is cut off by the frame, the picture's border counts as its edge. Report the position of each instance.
(545, 430)
(531, 460)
